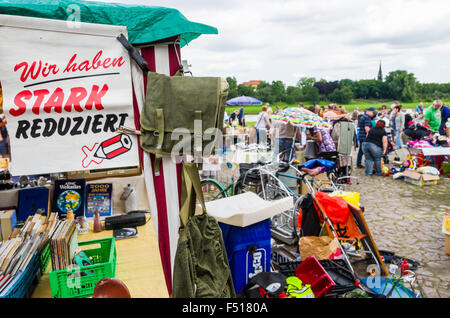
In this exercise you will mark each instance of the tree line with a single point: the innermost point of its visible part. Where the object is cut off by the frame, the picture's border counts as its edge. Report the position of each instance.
(397, 85)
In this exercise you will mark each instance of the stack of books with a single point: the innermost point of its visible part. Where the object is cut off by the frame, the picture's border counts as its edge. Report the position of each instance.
(37, 232)
(18, 250)
(63, 244)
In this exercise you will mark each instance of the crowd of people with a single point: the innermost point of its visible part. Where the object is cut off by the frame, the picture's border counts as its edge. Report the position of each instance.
(378, 131)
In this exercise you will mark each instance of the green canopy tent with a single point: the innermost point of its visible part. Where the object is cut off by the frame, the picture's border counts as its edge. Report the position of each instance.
(145, 24)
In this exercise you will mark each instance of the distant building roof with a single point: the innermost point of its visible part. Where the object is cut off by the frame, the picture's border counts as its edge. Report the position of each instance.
(249, 83)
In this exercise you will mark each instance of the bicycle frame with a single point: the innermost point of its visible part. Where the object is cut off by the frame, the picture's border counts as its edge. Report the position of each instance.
(226, 191)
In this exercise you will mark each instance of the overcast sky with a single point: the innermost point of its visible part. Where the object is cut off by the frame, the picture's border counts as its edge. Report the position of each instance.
(288, 39)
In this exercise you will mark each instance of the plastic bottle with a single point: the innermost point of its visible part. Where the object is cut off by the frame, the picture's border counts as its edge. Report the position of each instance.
(404, 267)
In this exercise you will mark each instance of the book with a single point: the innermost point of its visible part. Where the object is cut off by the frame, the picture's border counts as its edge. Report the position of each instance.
(1, 236)
(99, 198)
(69, 195)
(5, 282)
(125, 232)
(9, 285)
(32, 200)
(16, 254)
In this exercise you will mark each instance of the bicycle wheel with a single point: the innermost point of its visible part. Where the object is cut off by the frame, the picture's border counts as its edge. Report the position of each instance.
(296, 214)
(213, 190)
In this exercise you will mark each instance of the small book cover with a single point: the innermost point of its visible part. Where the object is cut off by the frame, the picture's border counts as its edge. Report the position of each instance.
(99, 198)
(30, 201)
(69, 195)
(125, 232)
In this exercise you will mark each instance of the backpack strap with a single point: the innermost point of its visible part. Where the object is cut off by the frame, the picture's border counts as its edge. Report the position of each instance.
(198, 134)
(160, 133)
(191, 191)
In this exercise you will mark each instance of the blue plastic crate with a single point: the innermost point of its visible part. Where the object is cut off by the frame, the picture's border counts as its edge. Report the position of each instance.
(21, 286)
(248, 251)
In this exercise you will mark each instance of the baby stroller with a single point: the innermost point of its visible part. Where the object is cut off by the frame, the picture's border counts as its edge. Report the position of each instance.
(341, 172)
(390, 148)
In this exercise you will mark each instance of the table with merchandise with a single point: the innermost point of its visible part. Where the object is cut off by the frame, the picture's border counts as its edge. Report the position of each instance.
(138, 263)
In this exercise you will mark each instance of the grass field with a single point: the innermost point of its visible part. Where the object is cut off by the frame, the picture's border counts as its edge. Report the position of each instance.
(363, 104)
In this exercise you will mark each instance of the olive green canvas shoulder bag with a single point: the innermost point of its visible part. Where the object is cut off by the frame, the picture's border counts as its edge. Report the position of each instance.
(201, 268)
(179, 109)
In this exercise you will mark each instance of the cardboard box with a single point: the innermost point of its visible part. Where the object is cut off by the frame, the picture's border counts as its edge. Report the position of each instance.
(447, 244)
(321, 180)
(419, 179)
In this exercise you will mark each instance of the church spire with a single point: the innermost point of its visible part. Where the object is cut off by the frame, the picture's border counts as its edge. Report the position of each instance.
(380, 73)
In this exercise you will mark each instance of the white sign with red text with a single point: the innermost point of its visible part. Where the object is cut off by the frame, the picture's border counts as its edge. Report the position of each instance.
(66, 91)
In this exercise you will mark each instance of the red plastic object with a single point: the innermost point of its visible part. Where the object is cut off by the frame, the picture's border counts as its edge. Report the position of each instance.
(111, 288)
(404, 267)
(311, 272)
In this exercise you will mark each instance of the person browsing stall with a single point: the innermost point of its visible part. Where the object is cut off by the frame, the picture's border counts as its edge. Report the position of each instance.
(330, 114)
(262, 124)
(364, 126)
(419, 109)
(284, 135)
(233, 119)
(323, 140)
(445, 114)
(398, 124)
(432, 116)
(374, 147)
(241, 117)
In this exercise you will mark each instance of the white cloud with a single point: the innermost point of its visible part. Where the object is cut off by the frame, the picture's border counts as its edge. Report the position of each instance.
(287, 39)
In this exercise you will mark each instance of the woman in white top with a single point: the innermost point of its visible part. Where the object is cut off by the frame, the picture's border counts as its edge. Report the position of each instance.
(262, 124)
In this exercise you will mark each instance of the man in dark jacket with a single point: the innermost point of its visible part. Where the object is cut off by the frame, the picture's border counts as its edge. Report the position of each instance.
(364, 125)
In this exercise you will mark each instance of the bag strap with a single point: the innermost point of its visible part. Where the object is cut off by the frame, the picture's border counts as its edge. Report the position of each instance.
(198, 134)
(160, 134)
(191, 191)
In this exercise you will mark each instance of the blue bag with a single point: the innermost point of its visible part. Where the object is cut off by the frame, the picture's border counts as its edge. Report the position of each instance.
(314, 163)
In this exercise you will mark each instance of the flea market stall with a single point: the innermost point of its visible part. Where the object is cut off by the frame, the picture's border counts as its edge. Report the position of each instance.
(74, 81)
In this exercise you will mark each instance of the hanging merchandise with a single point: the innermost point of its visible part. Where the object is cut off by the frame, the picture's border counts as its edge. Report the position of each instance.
(201, 267)
(183, 116)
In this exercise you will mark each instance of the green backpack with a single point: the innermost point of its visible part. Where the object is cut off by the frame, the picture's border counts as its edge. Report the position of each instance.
(201, 268)
(182, 112)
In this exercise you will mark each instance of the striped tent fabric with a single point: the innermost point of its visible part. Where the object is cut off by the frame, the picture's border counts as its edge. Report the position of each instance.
(164, 191)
